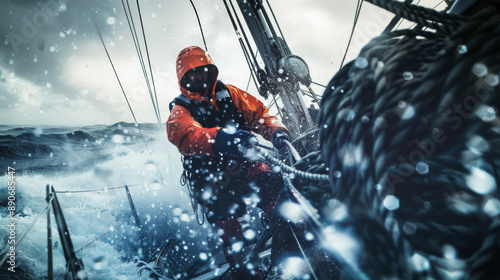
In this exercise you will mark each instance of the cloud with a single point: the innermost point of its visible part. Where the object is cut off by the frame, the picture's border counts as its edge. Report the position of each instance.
(65, 52)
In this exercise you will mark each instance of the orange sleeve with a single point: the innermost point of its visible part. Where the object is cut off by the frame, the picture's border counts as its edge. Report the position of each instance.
(255, 113)
(188, 135)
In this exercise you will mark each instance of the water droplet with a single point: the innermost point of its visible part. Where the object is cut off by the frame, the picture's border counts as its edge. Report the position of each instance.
(461, 49)
(292, 211)
(118, 139)
(407, 76)
(177, 211)
(237, 246)
(380, 122)
(99, 263)
(337, 174)
(449, 252)
(249, 234)
(492, 80)
(492, 207)
(361, 62)
(293, 268)
(391, 202)
(477, 144)
(479, 69)
(422, 168)
(82, 274)
(408, 112)
(365, 119)
(419, 262)
(62, 34)
(111, 20)
(203, 256)
(38, 131)
(48, 85)
(486, 113)
(409, 228)
(309, 236)
(184, 217)
(480, 181)
(346, 114)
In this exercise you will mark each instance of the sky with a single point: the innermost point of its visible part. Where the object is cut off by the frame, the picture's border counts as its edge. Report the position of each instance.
(54, 70)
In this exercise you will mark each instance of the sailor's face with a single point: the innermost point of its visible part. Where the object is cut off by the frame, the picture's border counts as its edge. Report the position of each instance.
(198, 80)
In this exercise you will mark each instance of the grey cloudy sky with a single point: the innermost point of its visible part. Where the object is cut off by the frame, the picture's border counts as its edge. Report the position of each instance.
(54, 70)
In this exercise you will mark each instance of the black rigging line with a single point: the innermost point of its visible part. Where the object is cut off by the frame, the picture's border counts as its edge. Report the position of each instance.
(356, 17)
(247, 53)
(318, 84)
(121, 86)
(149, 62)
(199, 23)
(242, 30)
(275, 20)
(135, 38)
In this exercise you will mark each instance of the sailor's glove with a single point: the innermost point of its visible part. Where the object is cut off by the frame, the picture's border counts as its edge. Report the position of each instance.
(279, 140)
(235, 144)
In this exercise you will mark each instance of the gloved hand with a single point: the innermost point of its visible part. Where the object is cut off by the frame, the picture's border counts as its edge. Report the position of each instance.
(234, 144)
(279, 138)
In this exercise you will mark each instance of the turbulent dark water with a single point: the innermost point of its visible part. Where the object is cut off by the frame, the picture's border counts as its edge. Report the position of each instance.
(66, 149)
(87, 159)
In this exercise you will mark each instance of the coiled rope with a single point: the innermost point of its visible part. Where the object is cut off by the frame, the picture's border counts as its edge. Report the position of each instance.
(409, 132)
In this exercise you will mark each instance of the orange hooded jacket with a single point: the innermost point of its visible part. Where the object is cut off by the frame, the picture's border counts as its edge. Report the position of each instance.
(190, 137)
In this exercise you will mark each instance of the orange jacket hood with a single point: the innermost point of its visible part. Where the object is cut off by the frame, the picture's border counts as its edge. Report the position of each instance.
(188, 59)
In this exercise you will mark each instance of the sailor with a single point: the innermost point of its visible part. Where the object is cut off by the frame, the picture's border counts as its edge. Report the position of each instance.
(211, 124)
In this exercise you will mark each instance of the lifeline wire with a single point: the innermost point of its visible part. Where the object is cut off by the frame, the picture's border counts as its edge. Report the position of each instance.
(95, 190)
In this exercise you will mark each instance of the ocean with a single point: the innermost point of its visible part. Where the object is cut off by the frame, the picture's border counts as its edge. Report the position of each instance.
(99, 159)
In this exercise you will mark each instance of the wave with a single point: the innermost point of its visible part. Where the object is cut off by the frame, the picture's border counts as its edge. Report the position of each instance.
(67, 148)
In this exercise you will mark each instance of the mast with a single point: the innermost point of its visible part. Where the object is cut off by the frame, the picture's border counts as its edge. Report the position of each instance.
(283, 72)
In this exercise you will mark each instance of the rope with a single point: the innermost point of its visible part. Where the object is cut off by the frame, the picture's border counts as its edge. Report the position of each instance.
(18, 241)
(289, 169)
(395, 135)
(120, 83)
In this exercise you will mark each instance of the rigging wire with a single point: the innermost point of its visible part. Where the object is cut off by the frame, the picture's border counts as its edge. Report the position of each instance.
(248, 53)
(149, 62)
(199, 23)
(356, 17)
(135, 38)
(121, 86)
(318, 84)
